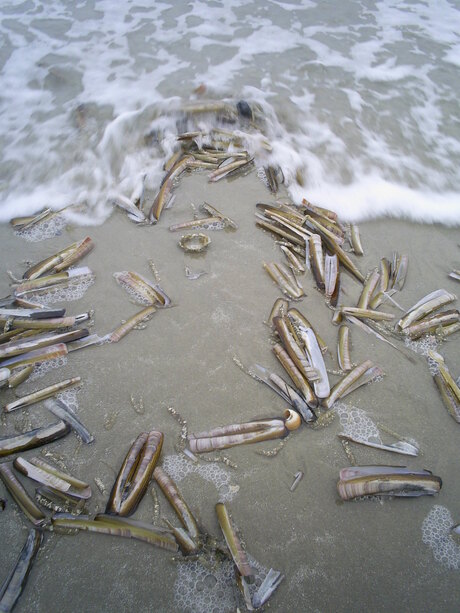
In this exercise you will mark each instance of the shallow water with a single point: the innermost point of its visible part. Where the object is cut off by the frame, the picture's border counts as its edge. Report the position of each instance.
(360, 103)
(361, 100)
(334, 555)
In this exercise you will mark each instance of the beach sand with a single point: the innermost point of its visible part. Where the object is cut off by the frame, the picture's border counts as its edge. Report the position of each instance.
(335, 556)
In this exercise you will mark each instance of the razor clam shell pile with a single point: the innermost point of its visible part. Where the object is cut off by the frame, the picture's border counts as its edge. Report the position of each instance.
(314, 245)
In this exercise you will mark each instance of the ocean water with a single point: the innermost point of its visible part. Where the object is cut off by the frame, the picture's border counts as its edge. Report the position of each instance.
(360, 99)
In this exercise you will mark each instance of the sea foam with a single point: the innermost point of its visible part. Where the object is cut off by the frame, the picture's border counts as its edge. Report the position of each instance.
(360, 104)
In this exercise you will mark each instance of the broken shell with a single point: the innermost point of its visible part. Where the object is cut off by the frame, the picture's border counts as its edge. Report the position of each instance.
(292, 419)
(194, 242)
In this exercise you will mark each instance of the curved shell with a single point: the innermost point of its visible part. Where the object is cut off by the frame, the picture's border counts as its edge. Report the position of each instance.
(194, 243)
(292, 419)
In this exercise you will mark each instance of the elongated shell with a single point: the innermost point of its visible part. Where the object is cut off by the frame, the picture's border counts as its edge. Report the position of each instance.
(135, 473)
(296, 376)
(20, 496)
(33, 438)
(349, 379)
(118, 526)
(426, 305)
(207, 223)
(165, 191)
(267, 589)
(353, 472)
(368, 289)
(321, 386)
(237, 434)
(129, 325)
(23, 345)
(169, 489)
(232, 540)
(343, 348)
(317, 260)
(289, 339)
(36, 356)
(61, 410)
(40, 395)
(448, 398)
(331, 278)
(355, 240)
(16, 580)
(389, 485)
(287, 284)
(279, 308)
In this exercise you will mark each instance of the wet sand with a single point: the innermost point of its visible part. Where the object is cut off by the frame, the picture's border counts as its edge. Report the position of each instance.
(335, 556)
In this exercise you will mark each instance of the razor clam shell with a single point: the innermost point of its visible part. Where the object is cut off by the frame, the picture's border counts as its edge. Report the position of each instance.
(16, 580)
(294, 398)
(352, 472)
(367, 377)
(20, 495)
(118, 526)
(39, 475)
(49, 476)
(33, 438)
(174, 497)
(234, 435)
(135, 473)
(331, 270)
(322, 387)
(35, 356)
(232, 540)
(61, 410)
(401, 447)
(40, 395)
(267, 588)
(24, 345)
(433, 301)
(408, 485)
(32, 313)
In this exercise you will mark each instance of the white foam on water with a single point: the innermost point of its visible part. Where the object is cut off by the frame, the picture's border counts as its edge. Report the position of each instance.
(360, 102)
(357, 424)
(73, 290)
(436, 529)
(69, 397)
(210, 587)
(48, 228)
(43, 367)
(178, 467)
(423, 346)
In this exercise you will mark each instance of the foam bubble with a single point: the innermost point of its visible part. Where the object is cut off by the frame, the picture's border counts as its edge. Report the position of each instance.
(209, 586)
(178, 467)
(357, 424)
(69, 397)
(74, 289)
(436, 534)
(48, 228)
(43, 367)
(423, 346)
(136, 296)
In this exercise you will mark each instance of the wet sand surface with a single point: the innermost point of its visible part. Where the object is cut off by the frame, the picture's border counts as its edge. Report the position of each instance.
(335, 556)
